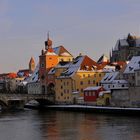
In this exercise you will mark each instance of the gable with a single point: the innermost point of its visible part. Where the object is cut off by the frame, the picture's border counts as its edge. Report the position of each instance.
(89, 64)
(61, 51)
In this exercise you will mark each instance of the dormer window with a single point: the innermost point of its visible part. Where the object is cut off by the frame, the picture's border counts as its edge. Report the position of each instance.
(130, 68)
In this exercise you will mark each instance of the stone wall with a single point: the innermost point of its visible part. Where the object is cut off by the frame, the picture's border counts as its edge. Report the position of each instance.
(126, 97)
(120, 98)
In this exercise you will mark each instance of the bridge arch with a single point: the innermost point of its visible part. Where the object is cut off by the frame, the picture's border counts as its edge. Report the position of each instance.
(50, 89)
(3, 104)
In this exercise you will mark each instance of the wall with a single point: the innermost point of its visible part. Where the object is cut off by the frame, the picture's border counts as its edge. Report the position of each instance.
(84, 79)
(63, 90)
(137, 77)
(34, 88)
(120, 98)
(126, 98)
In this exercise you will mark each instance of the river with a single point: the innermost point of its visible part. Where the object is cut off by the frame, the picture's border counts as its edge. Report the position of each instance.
(59, 125)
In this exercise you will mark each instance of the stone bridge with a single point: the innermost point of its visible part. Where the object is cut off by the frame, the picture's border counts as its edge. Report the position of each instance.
(8, 101)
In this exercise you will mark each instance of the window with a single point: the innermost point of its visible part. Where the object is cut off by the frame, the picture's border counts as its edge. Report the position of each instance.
(64, 83)
(81, 90)
(88, 75)
(93, 93)
(42, 65)
(133, 77)
(94, 75)
(83, 75)
(67, 97)
(61, 94)
(81, 83)
(89, 93)
(88, 81)
(61, 87)
(93, 81)
(67, 91)
(67, 83)
(100, 75)
(97, 84)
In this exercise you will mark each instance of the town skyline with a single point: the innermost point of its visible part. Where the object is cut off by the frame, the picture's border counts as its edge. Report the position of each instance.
(91, 28)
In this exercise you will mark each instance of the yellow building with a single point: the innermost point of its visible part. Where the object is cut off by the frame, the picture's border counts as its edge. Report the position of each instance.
(104, 98)
(81, 73)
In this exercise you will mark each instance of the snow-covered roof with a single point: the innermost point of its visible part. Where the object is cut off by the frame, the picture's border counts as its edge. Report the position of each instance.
(63, 64)
(56, 50)
(61, 51)
(73, 67)
(34, 77)
(104, 92)
(50, 53)
(133, 65)
(59, 65)
(80, 64)
(108, 68)
(109, 77)
(65, 54)
(103, 58)
(52, 71)
(92, 88)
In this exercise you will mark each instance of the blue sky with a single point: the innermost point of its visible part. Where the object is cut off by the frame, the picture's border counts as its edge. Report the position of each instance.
(89, 27)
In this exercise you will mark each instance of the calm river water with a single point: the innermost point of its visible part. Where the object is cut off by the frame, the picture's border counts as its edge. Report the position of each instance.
(55, 125)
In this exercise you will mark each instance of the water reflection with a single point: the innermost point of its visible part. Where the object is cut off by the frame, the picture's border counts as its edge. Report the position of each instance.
(55, 125)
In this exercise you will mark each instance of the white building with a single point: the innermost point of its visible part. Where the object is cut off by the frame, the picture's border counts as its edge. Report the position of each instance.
(33, 84)
(110, 81)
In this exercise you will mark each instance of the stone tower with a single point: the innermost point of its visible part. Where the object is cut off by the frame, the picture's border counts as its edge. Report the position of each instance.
(31, 65)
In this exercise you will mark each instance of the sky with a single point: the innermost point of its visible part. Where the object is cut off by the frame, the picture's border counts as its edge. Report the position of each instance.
(90, 27)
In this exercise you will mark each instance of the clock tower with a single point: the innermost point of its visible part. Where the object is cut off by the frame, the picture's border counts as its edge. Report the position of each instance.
(47, 60)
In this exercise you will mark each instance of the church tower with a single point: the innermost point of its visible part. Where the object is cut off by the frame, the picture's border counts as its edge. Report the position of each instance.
(31, 65)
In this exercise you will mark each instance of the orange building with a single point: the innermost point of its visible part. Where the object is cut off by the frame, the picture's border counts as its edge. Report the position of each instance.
(47, 60)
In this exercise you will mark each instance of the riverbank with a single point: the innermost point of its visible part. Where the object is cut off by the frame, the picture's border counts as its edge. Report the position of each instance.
(87, 108)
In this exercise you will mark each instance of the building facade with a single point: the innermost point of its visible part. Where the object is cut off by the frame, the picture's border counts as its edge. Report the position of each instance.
(81, 73)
